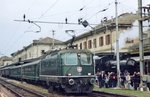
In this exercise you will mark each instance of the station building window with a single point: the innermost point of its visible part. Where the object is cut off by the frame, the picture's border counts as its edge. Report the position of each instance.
(101, 43)
(89, 44)
(77, 46)
(94, 43)
(42, 52)
(85, 45)
(129, 40)
(107, 39)
(80, 45)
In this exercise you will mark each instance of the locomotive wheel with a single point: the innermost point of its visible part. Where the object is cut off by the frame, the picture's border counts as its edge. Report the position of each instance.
(50, 89)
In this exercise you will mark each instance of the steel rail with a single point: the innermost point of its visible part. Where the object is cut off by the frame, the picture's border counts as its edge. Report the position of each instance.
(20, 91)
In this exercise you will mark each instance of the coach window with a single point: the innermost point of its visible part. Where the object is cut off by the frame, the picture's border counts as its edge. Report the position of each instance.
(53, 59)
(48, 56)
(63, 59)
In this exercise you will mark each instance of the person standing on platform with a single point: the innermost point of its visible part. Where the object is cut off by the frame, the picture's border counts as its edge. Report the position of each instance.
(101, 79)
(128, 81)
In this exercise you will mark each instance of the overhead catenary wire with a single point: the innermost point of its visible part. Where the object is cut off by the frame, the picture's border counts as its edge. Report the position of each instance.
(68, 23)
(49, 8)
(42, 15)
(102, 10)
(46, 12)
(85, 5)
(66, 12)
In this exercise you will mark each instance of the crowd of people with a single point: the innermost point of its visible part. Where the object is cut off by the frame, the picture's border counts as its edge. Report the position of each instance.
(127, 81)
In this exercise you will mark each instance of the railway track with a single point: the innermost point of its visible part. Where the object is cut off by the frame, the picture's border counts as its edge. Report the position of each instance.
(103, 94)
(95, 94)
(20, 91)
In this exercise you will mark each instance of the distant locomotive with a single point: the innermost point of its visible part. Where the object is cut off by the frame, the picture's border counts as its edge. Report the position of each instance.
(71, 70)
(129, 64)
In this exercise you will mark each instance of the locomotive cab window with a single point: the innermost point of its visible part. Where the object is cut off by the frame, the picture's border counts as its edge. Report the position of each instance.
(85, 59)
(75, 58)
(69, 59)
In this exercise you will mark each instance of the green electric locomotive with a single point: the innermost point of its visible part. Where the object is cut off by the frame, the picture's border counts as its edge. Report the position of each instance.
(70, 69)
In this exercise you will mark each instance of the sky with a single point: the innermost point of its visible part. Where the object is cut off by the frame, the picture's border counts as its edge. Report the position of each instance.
(15, 35)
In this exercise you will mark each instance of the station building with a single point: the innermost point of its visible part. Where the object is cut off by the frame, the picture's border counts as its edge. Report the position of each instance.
(4, 60)
(102, 38)
(37, 48)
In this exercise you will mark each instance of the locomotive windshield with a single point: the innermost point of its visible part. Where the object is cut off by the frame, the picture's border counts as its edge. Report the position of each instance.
(76, 58)
(85, 58)
(69, 58)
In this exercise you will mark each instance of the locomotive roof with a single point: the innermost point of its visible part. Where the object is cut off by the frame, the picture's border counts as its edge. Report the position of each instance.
(74, 50)
(31, 63)
(68, 50)
(64, 51)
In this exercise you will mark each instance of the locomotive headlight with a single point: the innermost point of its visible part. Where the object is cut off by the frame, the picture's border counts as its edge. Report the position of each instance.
(71, 81)
(69, 74)
(92, 81)
(79, 69)
(89, 73)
